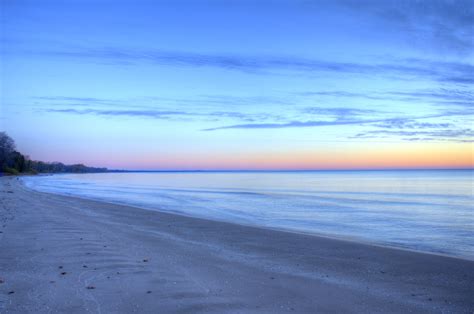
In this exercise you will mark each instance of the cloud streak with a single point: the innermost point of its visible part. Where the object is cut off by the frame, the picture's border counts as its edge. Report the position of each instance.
(295, 124)
(461, 134)
(157, 114)
(440, 25)
(453, 72)
(166, 114)
(340, 112)
(316, 123)
(410, 124)
(434, 95)
(65, 98)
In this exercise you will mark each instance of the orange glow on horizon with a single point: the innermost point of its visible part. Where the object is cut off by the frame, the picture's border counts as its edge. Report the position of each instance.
(414, 157)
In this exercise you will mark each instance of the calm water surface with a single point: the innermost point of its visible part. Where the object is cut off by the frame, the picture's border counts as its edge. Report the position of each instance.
(428, 211)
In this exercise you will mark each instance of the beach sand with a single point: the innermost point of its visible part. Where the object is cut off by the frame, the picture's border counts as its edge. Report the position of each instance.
(62, 254)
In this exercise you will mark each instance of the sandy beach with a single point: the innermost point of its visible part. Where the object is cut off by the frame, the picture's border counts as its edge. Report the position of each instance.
(62, 254)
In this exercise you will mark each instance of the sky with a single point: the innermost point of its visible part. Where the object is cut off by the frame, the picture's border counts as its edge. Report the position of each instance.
(199, 85)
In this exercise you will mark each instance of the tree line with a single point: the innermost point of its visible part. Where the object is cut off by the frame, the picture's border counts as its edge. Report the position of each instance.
(13, 162)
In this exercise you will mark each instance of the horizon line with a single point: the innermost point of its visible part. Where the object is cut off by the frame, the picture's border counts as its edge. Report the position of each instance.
(289, 170)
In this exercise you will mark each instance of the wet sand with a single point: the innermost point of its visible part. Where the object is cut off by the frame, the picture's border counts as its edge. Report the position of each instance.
(62, 254)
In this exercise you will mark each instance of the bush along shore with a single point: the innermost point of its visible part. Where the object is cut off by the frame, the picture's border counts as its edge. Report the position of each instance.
(13, 162)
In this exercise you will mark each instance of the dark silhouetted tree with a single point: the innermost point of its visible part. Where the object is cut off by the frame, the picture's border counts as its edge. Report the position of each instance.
(14, 162)
(7, 147)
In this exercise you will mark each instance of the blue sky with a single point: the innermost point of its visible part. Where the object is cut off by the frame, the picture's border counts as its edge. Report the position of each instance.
(238, 84)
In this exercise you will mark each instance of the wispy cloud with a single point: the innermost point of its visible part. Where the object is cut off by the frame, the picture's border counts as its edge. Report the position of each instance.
(410, 124)
(454, 72)
(201, 101)
(321, 123)
(167, 114)
(296, 124)
(340, 112)
(440, 25)
(456, 134)
(157, 114)
(65, 98)
(413, 130)
(461, 96)
(342, 94)
(77, 102)
(440, 94)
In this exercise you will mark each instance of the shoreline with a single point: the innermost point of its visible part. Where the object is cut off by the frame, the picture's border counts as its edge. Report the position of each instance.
(277, 229)
(276, 270)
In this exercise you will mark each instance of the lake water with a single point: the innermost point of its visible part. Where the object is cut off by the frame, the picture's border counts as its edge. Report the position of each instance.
(429, 211)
